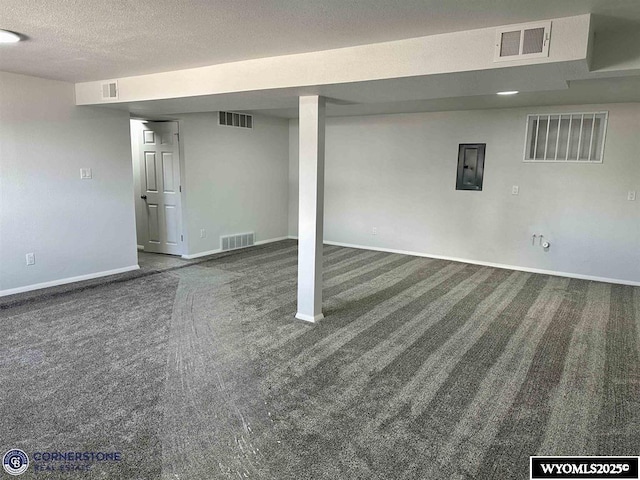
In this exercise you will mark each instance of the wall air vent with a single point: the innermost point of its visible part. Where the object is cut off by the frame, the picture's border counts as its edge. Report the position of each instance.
(519, 42)
(110, 90)
(240, 120)
(232, 242)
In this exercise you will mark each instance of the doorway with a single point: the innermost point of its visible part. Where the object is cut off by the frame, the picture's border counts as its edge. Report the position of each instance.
(158, 187)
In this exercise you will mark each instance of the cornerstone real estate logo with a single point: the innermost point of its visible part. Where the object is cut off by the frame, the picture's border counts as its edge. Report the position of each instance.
(15, 462)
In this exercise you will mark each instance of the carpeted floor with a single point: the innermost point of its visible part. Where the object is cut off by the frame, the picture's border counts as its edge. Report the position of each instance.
(423, 369)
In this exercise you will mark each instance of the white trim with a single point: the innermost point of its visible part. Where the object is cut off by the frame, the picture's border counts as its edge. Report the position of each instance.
(262, 242)
(309, 318)
(490, 264)
(141, 248)
(201, 254)
(64, 281)
(219, 250)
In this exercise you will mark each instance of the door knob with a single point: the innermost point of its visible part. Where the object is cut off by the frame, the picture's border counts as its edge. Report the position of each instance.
(144, 197)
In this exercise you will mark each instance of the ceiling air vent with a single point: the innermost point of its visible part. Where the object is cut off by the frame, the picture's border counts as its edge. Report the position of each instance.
(110, 91)
(518, 42)
(240, 120)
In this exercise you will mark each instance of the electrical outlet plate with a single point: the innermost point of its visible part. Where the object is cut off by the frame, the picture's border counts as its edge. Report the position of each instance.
(31, 258)
(515, 190)
(631, 196)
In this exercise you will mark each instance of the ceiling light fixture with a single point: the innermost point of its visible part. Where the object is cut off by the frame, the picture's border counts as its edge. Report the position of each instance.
(8, 37)
(508, 92)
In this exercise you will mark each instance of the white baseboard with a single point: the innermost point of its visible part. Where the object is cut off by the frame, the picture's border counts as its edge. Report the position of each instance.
(141, 248)
(309, 318)
(64, 281)
(219, 250)
(488, 264)
(201, 254)
(271, 240)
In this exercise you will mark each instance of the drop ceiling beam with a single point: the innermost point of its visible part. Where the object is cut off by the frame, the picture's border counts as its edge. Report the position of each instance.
(467, 51)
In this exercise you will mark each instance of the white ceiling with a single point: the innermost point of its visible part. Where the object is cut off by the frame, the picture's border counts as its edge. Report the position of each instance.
(82, 40)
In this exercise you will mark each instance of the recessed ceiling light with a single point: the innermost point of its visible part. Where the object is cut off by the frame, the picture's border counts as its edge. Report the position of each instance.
(508, 92)
(8, 37)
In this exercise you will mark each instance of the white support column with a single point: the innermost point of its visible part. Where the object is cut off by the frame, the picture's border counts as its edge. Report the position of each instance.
(311, 208)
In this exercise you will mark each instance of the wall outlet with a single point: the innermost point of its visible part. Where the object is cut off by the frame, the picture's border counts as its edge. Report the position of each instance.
(31, 258)
(203, 233)
(85, 173)
(631, 196)
(374, 231)
(515, 190)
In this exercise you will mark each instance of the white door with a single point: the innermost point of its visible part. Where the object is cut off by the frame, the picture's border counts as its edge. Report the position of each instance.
(161, 190)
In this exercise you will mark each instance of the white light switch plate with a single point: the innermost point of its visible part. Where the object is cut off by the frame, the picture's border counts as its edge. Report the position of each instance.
(515, 190)
(631, 196)
(85, 173)
(31, 259)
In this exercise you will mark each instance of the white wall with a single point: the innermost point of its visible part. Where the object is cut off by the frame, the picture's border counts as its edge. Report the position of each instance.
(397, 173)
(234, 180)
(75, 227)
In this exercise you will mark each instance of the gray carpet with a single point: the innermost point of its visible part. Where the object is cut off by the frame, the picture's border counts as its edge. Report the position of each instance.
(423, 369)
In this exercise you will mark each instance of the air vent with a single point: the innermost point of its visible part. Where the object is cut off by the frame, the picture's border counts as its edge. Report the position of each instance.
(240, 120)
(241, 240)
(517, 42)
(110, 91)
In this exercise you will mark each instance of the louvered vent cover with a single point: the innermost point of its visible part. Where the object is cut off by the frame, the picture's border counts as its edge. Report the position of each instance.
(241, 240)
(110, 91)
(533, 41)
(523, 41)
(510, 44)
(240, 120)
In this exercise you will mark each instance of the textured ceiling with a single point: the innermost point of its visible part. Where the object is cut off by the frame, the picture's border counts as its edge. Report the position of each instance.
(82, 40)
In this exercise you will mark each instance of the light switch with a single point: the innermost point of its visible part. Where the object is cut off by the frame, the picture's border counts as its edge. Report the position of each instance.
(85, 173)
(31, 258)
(515, 190)
(631, 196)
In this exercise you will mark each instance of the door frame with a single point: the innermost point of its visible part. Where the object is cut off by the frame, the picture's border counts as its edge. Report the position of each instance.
(139, 203)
